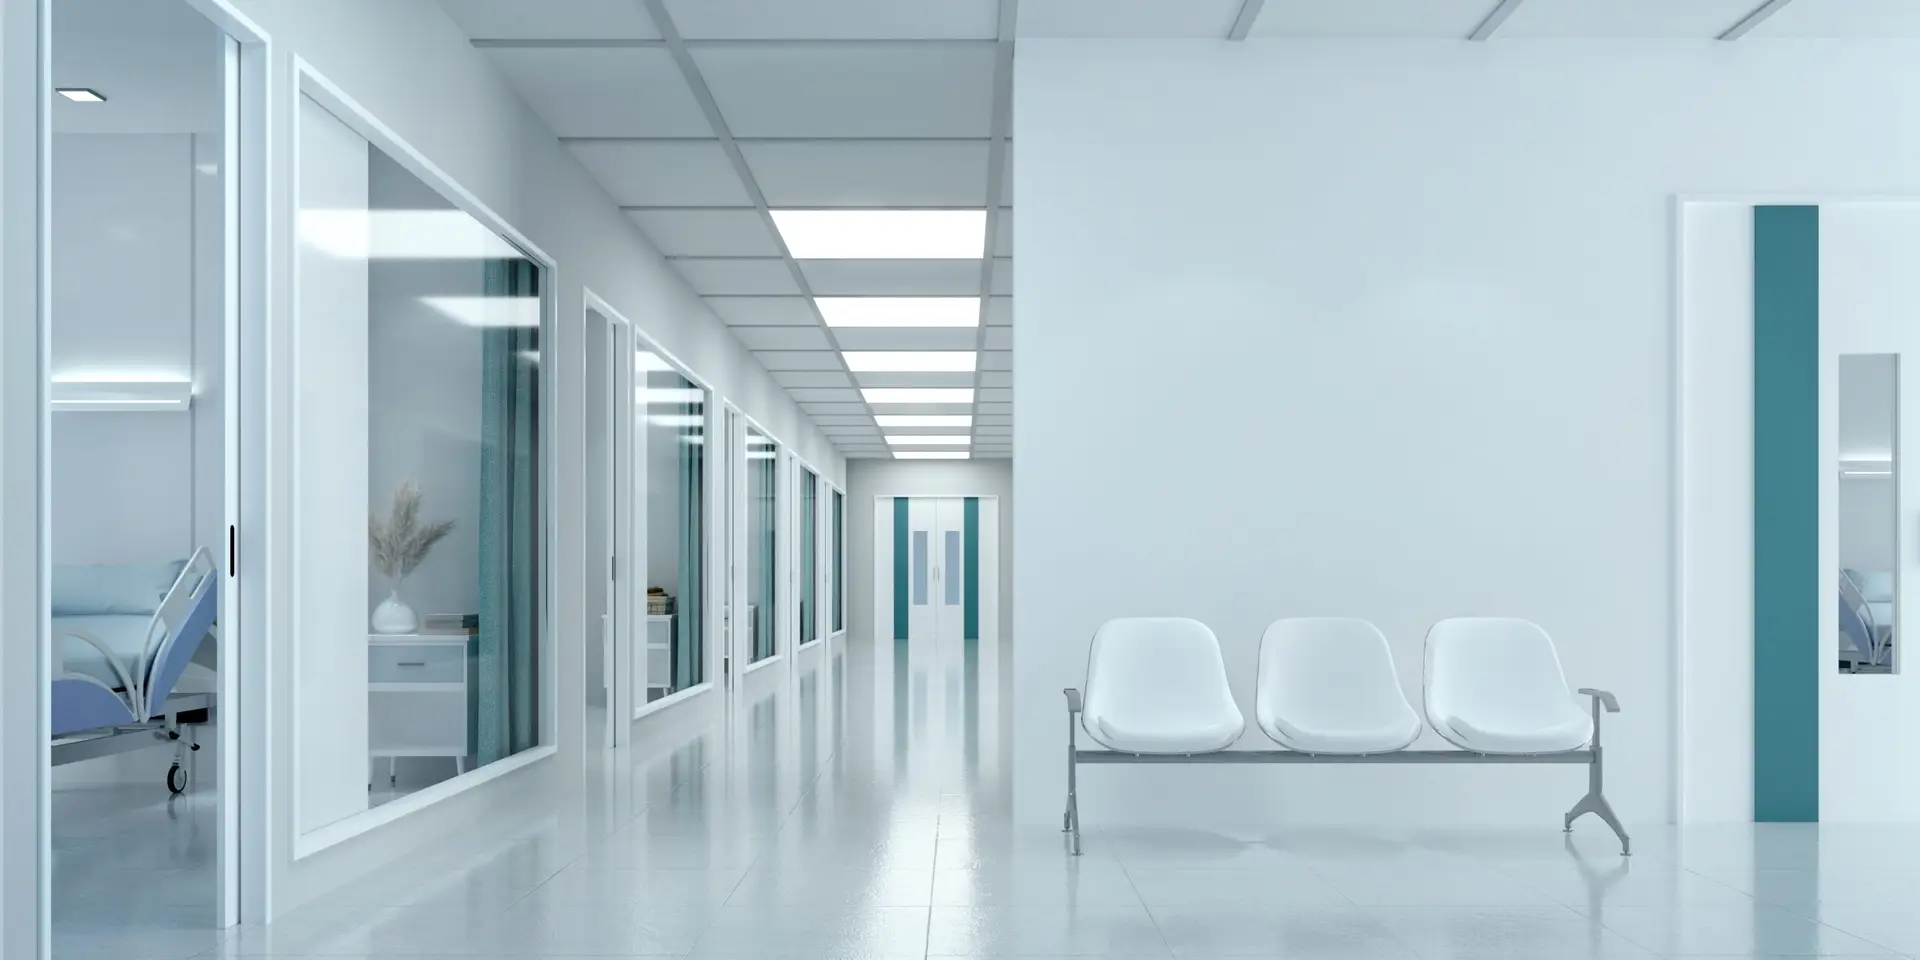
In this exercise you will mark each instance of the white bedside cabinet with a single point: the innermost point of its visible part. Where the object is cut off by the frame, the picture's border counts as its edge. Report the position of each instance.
(656, 679)
(417, 697)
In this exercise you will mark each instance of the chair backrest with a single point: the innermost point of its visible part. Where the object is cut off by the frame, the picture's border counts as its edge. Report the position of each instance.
(1155, 667)
(1327, 672)
(1481, 665)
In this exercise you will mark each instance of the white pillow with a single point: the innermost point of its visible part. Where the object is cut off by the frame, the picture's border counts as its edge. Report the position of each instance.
(102, 589)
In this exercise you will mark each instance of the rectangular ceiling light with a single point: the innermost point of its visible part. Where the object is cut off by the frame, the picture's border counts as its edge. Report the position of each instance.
(81, 94)
(929, 440)
(918, 394)
(883, 234)
(899, 311)
(930, 455)
(488, 312)
(910, 361)
(924, 420)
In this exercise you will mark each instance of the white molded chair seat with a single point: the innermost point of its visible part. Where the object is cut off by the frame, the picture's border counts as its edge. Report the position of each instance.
(1328, 685)
(1494, 685)
(1159, 685)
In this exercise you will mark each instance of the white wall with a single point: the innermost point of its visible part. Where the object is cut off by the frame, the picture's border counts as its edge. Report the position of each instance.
(1421, 365)
(124, 305)
(407, 64)
(330, 430)
(867, 479)
(1869, 290)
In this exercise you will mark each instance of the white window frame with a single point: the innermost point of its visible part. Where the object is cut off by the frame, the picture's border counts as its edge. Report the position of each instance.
(310, 82)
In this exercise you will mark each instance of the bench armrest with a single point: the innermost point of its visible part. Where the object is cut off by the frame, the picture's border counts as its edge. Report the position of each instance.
(1073, 700)
(1605, 699)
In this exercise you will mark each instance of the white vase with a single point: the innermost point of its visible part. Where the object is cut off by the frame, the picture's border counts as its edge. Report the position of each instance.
(394, 616)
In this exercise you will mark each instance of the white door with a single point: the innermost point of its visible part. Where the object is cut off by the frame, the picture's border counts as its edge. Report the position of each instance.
(949, 614)
(920, 568)
(922, 523)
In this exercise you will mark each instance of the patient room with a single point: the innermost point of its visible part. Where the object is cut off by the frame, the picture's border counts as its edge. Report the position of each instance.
(138, 538)
(1868, 493)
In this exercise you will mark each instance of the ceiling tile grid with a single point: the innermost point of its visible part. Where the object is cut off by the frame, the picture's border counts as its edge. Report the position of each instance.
(704, 119)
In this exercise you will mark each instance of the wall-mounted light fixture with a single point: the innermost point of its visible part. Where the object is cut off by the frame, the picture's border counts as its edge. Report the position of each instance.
(120, 396)
(81, 94)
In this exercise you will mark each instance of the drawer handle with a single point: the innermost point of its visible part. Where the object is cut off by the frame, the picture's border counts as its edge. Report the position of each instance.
(412, 663)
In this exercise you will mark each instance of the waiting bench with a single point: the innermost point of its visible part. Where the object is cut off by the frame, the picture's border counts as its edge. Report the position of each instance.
(1327, 692)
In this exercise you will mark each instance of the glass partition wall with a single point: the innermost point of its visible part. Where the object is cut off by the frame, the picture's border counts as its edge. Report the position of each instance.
(419, 412)
(763, 468)
(809, 556)
(672, 424)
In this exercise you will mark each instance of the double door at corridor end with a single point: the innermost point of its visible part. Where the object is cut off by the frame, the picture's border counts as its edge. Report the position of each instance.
(936, 567)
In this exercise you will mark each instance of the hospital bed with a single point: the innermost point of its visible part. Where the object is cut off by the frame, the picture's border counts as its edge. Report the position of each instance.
(134, 664)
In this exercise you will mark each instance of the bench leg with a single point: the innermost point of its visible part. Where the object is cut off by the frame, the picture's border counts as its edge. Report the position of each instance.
(1595, 802)
(1070, 820)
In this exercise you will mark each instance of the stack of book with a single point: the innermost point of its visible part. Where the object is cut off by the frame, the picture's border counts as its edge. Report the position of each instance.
(659, 604)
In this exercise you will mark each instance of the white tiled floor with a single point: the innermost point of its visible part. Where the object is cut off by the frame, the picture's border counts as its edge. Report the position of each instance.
(858, 809)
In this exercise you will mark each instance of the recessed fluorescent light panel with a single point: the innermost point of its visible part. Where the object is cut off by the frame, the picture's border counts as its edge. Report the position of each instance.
(81, 94)
(930, 455)
(910, 361)
(488, 312)
(946, 440)
(918, 312)
(918, 394)
(883, 234)
(924, 420)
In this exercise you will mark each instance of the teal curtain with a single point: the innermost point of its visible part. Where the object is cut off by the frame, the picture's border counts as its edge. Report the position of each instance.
(809, 556)
(762, 567)
(688, 664)
(504, 704)
(839, 558)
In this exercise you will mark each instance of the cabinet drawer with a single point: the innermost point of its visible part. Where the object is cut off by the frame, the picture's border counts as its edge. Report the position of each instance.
(421, 663)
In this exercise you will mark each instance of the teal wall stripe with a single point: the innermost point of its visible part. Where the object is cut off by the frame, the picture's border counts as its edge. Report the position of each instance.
(970, 550)
(900, 568)
(1786, 514)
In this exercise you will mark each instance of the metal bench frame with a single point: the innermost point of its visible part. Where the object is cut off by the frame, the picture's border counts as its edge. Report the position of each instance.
(1595, 802)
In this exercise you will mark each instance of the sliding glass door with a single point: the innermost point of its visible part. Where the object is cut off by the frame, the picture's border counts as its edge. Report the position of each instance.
(763, 526)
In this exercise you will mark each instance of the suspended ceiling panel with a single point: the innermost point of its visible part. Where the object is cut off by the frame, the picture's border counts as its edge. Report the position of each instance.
(835, 19)
(1649, 19)
(893, 173)
(1196, 19)
(525, 20)
(605, 92)
(1428, 19)
(838, 90)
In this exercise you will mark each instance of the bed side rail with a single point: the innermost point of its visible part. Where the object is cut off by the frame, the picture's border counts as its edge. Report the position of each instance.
(183, 620)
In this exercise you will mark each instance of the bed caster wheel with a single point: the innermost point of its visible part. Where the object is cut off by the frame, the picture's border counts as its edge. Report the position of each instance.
(176, 780)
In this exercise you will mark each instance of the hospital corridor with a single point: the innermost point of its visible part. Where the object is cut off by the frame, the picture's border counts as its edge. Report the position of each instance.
(959, 479)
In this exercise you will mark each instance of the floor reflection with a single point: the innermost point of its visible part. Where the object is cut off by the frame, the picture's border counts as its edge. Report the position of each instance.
(854, 802)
